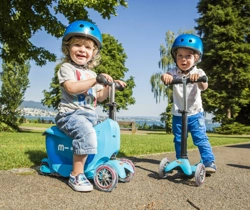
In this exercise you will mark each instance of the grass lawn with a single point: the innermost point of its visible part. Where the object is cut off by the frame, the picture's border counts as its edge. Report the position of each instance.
(26, 149)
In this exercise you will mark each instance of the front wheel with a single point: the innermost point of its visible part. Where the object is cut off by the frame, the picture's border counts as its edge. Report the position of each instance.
(164, 162)
(200, 174)
(105, 178)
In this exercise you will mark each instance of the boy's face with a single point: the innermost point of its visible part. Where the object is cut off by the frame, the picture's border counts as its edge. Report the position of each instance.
(81, 50)
(185, 58)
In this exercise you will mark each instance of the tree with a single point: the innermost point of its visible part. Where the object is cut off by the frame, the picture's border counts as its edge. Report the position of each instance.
(157, 87)
(15, 81)
(112, 63)
(20, 20)
(166, 62)
(224, 27)
(52, 98)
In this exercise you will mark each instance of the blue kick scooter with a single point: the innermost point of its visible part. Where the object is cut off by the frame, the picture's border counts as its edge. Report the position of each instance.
(104, 167)
(182, 164)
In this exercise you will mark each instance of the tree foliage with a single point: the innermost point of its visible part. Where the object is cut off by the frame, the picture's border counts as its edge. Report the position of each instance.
(20, 20)
(224, 27)
(112, 63)
(166, 62)
(15, 81)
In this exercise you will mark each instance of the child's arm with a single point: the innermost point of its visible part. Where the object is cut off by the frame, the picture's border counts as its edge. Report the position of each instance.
(104, 93)
(201, 85)
(82, 86)
(76, 87)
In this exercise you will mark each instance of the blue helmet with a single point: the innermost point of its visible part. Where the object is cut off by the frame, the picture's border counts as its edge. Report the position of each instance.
(85, 29)
(189, 41)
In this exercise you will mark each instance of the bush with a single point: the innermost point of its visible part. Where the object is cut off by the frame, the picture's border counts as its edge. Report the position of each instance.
(145, 126)
(5, 128)
(234, 128)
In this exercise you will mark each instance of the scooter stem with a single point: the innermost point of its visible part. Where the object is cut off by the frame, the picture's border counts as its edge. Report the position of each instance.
(112, 104)
(184, 121)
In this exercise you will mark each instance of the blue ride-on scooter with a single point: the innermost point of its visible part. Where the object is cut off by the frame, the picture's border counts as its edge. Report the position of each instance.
(104, 167)
(182, 165)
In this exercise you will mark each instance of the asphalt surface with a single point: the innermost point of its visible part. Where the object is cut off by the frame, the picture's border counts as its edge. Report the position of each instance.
(228, 188)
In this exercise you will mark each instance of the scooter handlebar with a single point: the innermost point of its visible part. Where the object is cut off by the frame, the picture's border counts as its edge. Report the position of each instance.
(103, 81)
(180, 81)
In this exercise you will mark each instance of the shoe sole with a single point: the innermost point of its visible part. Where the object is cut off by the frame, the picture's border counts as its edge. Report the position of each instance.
(81, 188)
(210, 171)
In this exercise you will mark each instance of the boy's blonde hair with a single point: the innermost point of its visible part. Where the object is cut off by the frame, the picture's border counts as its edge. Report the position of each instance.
(96, 55)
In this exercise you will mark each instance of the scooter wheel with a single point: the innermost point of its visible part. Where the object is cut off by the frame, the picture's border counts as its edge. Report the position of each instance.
(43, 167)
(129, 174)
(200, 174)
(105, 178)
(164, 162)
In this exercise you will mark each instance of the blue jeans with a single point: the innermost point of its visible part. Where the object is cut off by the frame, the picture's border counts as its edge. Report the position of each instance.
(196, 126)
(79, 125)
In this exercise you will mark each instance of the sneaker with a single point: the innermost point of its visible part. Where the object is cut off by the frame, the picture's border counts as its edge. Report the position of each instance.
(210, 168)
(80, 183)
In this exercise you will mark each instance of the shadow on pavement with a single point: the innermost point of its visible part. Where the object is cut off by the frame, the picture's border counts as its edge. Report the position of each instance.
(244, 146)
(239, 166)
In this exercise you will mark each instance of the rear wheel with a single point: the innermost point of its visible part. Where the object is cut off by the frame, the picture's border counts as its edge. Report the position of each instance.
(129, 174)
(44, 166)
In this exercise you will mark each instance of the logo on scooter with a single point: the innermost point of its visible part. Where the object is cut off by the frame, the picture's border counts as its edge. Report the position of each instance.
(179, 162)
(60, 147)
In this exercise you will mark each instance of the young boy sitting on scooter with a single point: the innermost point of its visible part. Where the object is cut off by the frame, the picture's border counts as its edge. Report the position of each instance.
(81, 45)
(187, 51)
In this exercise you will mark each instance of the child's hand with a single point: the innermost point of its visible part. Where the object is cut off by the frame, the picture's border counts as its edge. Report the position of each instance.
(166, 78)
(121, 83)
(108, 78)
(194, 77)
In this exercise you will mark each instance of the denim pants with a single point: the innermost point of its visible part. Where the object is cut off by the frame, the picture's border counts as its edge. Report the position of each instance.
(79, 125)
(196, 126)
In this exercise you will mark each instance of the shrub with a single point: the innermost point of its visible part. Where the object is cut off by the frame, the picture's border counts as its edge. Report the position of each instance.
(234, 128)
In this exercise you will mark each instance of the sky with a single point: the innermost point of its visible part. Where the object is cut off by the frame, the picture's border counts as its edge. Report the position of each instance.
(141, 29)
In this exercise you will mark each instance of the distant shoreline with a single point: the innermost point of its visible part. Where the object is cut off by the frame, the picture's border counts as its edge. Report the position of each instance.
(139, 120)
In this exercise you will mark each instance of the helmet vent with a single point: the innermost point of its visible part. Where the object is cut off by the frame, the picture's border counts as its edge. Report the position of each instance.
(182, 40)
(190, 40)
(92, 28)
(81, 25)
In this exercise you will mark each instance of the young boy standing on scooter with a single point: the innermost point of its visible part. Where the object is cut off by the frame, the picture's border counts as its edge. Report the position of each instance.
(187, 51)
(81, 44)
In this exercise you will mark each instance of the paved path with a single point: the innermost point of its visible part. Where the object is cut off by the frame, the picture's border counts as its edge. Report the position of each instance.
(229, 188)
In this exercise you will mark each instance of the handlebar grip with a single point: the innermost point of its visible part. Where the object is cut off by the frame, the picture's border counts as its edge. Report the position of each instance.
(103, 81)
(118, 87)
(200, 79)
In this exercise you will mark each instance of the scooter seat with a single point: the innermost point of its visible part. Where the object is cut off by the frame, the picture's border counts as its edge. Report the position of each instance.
(55, 132)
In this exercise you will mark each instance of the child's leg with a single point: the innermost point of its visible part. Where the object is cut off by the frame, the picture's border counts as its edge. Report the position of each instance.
(78, 164)
(176, 125)
(79, 126)
(77, 179)
(197, 128)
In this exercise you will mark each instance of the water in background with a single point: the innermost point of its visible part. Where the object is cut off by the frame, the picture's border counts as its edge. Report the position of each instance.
(139, 120)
